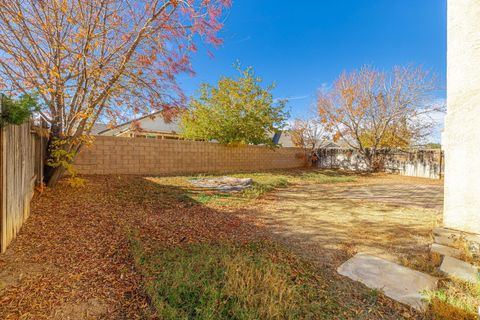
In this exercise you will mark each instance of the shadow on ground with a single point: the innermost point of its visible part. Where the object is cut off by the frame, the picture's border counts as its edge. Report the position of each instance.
(72, 259)
(390, 220)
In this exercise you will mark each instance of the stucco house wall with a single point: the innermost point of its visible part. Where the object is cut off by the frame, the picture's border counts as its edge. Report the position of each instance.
(462, 126)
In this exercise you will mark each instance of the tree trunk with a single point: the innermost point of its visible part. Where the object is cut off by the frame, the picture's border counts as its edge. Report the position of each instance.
(374, 160)
(368, 158)
(54, 175)
(61, 152)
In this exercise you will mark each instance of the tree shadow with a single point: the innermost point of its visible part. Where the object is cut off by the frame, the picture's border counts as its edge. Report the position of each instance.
(84, 234)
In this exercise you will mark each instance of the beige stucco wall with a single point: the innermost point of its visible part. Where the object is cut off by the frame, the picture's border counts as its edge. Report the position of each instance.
(462, 127)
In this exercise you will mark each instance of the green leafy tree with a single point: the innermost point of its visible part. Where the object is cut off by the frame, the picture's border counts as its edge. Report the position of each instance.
(235, 112)
(16, 111)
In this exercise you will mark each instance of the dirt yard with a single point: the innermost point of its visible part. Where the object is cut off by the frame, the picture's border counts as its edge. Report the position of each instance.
(388, 216)
(72, 259)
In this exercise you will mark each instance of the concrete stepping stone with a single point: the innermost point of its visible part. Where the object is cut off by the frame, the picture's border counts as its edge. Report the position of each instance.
(455, 234)
(445, 251)
(449, 237)
(460, 269)
(397, 282)
(444, 241)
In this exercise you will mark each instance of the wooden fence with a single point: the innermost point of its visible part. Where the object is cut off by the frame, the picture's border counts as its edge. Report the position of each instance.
(21, 166)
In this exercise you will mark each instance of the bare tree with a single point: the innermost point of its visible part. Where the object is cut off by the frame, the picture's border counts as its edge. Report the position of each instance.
(308, 134)
(373, 110)
(91, 58)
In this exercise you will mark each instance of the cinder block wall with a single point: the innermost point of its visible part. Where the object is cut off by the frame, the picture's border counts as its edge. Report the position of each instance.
(113, 155)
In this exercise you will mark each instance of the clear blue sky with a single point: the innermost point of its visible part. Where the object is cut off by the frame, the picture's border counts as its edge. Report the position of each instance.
(303, 44)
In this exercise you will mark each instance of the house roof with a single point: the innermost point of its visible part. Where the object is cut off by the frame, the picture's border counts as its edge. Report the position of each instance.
(98, 127)
(330, 145)
(129, 122)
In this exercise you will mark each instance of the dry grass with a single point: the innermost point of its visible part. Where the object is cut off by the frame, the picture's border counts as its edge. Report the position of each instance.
(222, 281)
(83, 236)
(465, 253)
(455, 300)
(253, 280)
(426, 262)
(264, 182)
(325, 221)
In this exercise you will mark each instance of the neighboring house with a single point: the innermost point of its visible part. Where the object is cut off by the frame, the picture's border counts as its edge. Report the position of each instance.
(98, 127)
(330, 145)
(152, 126)
(339, 144)
(285, 140)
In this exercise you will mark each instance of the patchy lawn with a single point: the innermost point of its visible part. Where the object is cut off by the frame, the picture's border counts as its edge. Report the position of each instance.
(256, 280)
(263, 182)
(455, 299)
(114, 249)
(127, 247)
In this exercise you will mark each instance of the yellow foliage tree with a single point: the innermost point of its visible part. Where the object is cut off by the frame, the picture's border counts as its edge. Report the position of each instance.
(373, 110)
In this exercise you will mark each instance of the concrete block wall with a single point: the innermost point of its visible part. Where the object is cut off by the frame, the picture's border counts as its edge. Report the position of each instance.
(113, 155)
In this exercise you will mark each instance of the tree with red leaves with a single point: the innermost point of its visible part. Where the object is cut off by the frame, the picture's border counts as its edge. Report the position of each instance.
(87, 59)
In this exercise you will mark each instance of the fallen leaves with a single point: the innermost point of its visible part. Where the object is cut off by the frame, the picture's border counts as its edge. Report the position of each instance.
(73, 253)
(79, 237)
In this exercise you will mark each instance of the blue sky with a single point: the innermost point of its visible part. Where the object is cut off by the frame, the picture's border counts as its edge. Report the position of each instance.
(302, 45)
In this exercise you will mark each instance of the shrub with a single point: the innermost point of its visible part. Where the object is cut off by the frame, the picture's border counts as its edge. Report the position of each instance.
(17, 111)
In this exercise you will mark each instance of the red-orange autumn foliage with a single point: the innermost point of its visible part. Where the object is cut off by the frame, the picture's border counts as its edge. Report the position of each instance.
(101, 58)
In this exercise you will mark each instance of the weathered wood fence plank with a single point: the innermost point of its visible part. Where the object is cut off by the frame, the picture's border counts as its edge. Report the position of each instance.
(21, 154)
